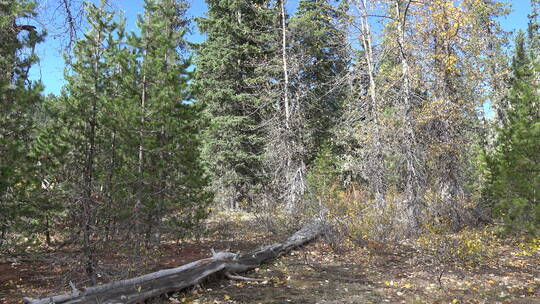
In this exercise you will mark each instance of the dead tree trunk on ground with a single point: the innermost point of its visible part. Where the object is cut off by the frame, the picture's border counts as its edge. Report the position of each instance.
(159, 283)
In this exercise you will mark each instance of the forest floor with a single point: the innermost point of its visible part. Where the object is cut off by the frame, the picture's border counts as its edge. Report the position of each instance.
(316, 273)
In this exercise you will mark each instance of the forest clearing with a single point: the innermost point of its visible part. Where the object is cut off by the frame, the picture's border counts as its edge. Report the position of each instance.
(269, 151)
(315, 273)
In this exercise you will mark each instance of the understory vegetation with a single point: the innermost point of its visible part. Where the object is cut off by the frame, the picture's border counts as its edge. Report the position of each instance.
(432, 269)
(411, 129)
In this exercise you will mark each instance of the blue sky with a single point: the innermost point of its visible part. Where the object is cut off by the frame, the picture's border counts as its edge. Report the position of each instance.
(50, 70)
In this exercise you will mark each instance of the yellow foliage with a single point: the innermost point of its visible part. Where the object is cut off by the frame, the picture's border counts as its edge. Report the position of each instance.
(356, 216)
(529, 247)
(469, 246)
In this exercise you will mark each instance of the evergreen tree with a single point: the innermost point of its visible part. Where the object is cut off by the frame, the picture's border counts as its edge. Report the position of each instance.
(88, 116)
(516, 164)
(319, 43)
(169, 177)
(19, 98)
(121, 144)
(229, 79)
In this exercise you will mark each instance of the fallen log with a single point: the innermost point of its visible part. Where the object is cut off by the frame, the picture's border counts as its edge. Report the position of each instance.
(139, 289)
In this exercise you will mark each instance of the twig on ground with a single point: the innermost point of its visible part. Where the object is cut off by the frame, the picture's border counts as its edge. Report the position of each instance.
(241, 278)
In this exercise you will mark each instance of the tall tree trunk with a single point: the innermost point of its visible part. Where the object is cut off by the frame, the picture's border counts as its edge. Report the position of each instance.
(293, 181)
(284, 61)
(88, 200)
(88, 208)
(110, 219)
(377, 163)
(47, 230)
(140, 158)
(3, 231)
(410, 144)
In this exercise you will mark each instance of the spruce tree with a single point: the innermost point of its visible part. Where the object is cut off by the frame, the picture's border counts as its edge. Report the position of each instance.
(320, 44)
(230, 78)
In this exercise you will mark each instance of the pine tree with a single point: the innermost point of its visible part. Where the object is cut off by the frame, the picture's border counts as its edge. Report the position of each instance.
(229, 80)
(88, 116)
(19, 98)
(516, 164)
(121, 143)
(169, 177)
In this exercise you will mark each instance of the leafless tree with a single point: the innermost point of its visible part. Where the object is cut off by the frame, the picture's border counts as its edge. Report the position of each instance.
(414, 177)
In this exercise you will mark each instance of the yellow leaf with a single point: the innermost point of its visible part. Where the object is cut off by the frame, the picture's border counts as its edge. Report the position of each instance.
(226, 297)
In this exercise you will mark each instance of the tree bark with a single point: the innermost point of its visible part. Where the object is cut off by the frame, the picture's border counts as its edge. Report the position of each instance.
(284, 59)
(409, 146)
(377, 169)
(152, 285)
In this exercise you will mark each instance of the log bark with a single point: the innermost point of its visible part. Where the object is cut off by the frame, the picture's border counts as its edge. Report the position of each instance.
(139, 289)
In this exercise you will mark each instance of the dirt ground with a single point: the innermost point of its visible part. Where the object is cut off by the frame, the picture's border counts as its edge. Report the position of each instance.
(313, 274)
